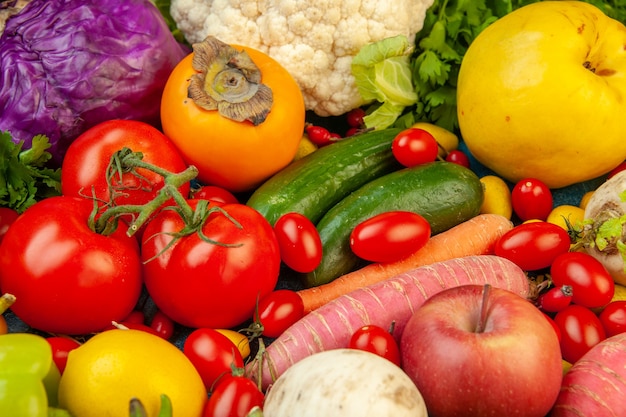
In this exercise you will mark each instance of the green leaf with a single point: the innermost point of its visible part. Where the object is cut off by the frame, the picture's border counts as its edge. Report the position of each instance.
(608, 232)
(383, 116)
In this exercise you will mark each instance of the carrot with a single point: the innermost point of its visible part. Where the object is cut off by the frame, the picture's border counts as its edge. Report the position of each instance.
(475, 236)
(596, 384)
(392, 300)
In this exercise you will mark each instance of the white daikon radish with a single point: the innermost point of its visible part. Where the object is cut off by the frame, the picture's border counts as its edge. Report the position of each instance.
(344, 383)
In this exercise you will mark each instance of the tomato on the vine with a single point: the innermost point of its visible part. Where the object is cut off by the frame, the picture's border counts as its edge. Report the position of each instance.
(319, 135)
(61, 347)
(214, 193)
(84, 169)
(67, 278)
(591, 283)
(7, 217)
(233, 396)
(580, 330)
(278, 310)
(613, 318)
(534, 245)
(414, 146)
(214, 279)
(390, 236)
(212, 354)
(299, 242)
(375, 339)
(531, 199)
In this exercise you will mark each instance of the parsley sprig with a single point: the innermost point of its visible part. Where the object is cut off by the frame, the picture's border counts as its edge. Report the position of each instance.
(24, 177)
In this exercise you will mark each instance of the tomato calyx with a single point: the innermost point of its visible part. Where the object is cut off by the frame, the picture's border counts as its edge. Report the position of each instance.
(227, 80)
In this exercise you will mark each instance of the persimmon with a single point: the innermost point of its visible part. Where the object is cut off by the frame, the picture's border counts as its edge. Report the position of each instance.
(234, 81)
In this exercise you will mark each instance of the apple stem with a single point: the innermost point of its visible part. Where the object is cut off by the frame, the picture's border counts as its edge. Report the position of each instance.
(480, 326)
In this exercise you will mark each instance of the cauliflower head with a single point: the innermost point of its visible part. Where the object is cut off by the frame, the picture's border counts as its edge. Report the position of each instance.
(314, 40)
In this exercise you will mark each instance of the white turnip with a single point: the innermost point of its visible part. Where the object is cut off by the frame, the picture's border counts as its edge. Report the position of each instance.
(344, 383)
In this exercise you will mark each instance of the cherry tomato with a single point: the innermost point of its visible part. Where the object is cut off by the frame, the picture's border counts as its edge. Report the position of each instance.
(580, 331)
(354, 117)
(233, 396)
(613, 318)
(217, 284)
(533, 246)
(390, 236)
(458, 157)
(67, 278)
(61, 347)
(278, 310)
(414, 146)
(299, 242)
(591, 283)
(214, 193)
(212, 354)
(555, 299)
(162, 325)
(7, 217)
(531, 199)
(319, 135)
(135, 316)
(234, 155)
(375, 339)
(85, 163)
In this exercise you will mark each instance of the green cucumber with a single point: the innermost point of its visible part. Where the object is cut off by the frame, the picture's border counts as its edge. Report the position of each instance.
(315, 183)
(444, 193)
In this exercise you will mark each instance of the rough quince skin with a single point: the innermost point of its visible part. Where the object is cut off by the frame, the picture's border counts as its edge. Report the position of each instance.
(542, 94)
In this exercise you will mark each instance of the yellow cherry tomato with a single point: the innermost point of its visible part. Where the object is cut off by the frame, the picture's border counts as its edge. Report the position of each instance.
(239, 339)
(564, 214)
(585, 199)
(497, 198)
(236, 155)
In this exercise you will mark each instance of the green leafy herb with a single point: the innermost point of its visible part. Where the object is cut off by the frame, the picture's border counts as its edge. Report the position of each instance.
(24, 177)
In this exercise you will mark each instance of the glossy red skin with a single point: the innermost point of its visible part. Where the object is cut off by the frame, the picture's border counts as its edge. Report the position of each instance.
(299, 242)
(278, 310)
(214, 193)
(617, 169)
(234, 396)
(61, 347)
(414, 146)
(458, 157)
(162, 325)
(533, 246)
(215, 285)
(389, 236)
(7, 217)
(591, 283)
(354, 117)
(531, 199)
(555, 299)
(87, 158)
(68, 279)
(613, 318)
(319, 135)
(375, 339)
(580, 330)
(212, 354)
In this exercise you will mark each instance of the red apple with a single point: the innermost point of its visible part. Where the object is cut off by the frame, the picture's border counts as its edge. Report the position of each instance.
(475, 350)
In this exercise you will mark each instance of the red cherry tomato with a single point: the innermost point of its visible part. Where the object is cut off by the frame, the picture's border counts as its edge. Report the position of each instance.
(375, 339)
(355, 117)
(390, 236)
(555, 299)
(319, 135)
(212, 354)
(592, 284)
(299, 242)
(414, 146)
(580, 331)
(534, 245)
(458, 157)
(61, 347)
(7, 217)
(619, 168)
(531, 199)
(135, 316)
(162, 325)
(214, 193)
(278, 310)
(613, 318)
(233, 396)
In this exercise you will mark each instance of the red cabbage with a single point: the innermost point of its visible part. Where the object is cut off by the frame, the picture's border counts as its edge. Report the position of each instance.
(67, 65)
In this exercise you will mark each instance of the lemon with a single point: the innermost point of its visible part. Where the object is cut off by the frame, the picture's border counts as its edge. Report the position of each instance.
(305, 147)
(497, 196)
(114, 366)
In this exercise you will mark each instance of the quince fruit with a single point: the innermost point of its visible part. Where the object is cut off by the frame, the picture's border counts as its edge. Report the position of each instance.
(542, 93)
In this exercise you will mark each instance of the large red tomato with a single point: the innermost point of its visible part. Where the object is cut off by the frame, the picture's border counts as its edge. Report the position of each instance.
(216, 281)
(67, 278)
(86, 161)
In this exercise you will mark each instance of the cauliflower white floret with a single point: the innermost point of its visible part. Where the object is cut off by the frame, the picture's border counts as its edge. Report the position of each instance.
(314, 40)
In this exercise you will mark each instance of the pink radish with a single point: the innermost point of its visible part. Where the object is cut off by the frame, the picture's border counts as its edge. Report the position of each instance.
(596, 384)
(392, 300)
